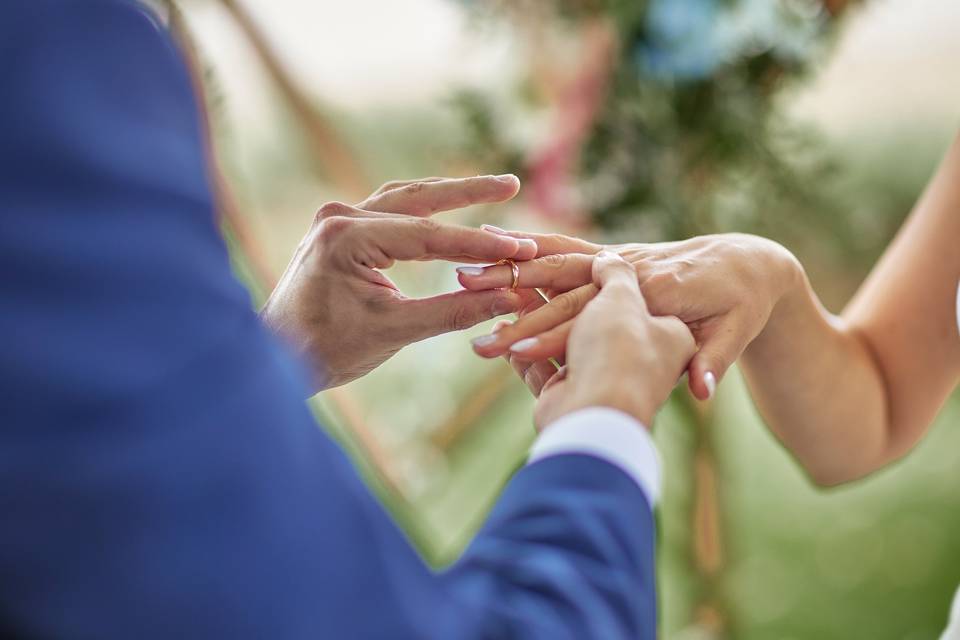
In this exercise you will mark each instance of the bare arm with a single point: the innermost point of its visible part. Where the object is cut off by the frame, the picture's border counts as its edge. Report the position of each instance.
(846, 394)
(850, 394)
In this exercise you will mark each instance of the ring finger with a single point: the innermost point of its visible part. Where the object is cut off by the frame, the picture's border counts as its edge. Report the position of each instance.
(534, 330)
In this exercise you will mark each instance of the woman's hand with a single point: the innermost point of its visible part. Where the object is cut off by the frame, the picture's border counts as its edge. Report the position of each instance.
(724, 287)
(344, 316)
(618, 355)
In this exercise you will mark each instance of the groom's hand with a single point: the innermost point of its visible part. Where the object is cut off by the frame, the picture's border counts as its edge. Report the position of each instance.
(618, 355)
(344, 316)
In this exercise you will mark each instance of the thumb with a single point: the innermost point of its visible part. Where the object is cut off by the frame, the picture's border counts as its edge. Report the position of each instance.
(419, 319)
(610, 268)
(717, 353)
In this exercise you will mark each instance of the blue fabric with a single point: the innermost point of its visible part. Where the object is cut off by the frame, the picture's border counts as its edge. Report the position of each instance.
(160, 474)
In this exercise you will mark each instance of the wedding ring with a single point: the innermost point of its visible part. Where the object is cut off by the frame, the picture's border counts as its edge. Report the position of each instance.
(515, 270)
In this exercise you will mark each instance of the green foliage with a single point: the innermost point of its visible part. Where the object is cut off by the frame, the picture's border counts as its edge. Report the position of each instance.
(691, 140)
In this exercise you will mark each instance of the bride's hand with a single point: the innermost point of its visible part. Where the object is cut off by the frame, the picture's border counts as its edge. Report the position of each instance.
(724, 287)
(619, 356)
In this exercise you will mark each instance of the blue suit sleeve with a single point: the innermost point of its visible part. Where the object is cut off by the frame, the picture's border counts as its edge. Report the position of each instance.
(160, 474)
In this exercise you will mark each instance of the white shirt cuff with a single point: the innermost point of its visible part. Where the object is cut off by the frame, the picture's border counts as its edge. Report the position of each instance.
(610, 435)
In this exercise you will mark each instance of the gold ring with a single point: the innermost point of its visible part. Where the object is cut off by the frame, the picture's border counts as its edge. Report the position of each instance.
(515, 270)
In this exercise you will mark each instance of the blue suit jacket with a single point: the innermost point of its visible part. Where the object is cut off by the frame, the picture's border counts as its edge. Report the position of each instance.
(160, 474)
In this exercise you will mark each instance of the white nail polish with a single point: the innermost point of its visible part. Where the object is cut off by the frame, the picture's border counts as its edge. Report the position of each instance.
(493, 229)
(483, 341)
(525, 345)
(470, 271)
(527, 242)
(710, 381)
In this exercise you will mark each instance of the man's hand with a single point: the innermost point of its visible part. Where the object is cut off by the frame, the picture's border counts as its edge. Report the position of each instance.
(618, 355)
(344, 316)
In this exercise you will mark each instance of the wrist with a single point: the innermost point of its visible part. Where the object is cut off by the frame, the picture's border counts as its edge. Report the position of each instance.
(782, 270)
(789, 298)
(629, 401)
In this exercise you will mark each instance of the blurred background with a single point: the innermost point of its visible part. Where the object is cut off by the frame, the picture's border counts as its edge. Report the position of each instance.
(814, 122)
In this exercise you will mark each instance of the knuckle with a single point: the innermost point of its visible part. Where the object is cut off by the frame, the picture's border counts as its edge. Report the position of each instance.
(558, 240)
(554, 261)
(662, 280)
(427, 225)
(414, 188)
(565, 304)
(334, 228)
(332, 209)
(390, 186)
(460, 318)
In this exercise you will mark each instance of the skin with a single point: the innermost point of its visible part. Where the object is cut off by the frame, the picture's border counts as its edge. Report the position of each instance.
(725, 308)
(618, 354)
(345, 317)
(848, 393)
(338, 310)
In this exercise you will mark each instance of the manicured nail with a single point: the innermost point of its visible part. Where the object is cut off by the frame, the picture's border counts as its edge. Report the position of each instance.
(508, 177)
(606, 255)
(525, 345)
(501, 324)
(483, 341)
(710, 381)
(527, 243)
(493, 229)
(502, 306)
(470, 271)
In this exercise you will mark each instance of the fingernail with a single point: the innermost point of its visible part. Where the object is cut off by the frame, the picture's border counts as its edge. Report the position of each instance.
(493, 229)
(502, 306)
(508, 177)
(527, 243)
(483, 341)
(470, 271)
(606, 255)
(525, 345)
(501, 324)
(710, 381)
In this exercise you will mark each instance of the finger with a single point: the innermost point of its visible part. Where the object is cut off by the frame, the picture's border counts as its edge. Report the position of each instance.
(560, 272)
(424, 198)
(530, 301)
(533, 374)
(528, 329)
(526, 252)
(559, 376)
(552, 242)
(336, 209)
(549, 344)
(609, 269)
(379, 241)
(427, 317)
(718, 351)
(396, 184)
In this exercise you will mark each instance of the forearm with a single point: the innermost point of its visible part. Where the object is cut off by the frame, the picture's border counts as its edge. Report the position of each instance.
(848, 395)
(817, 385)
